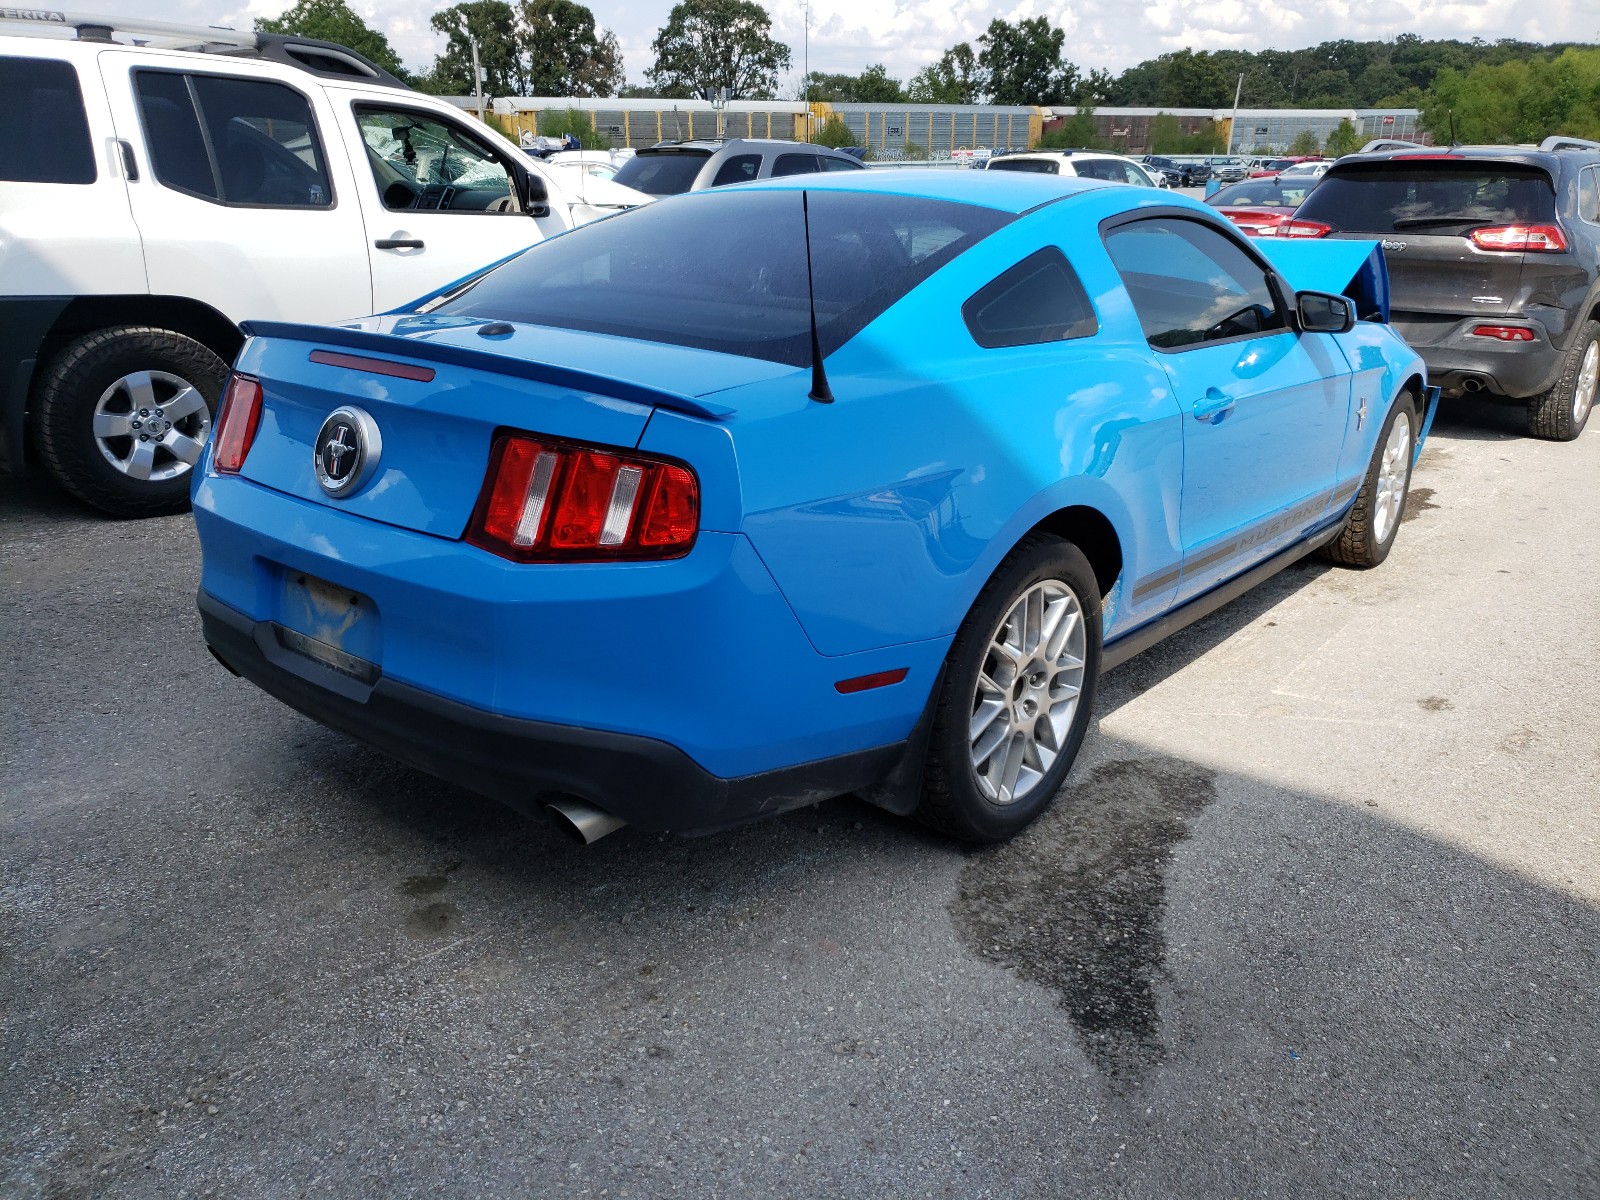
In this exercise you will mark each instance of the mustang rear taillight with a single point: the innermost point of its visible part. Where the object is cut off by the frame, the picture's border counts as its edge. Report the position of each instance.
(1504, 333)
(1527, 238)
(1303, 229)
(551, 501)
(236, 427)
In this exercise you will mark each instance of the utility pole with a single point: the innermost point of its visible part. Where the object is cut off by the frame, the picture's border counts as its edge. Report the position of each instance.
(805, 67)
(477, 74)
(1234, 123)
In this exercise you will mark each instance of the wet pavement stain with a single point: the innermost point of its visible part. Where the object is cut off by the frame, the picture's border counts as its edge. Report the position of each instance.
(433, 920)
(1418, 501)
(1076, 903)
(429, 885)
(1436, 703)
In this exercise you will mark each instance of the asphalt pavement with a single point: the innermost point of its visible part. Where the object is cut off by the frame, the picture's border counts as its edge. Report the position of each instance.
(1317, 915)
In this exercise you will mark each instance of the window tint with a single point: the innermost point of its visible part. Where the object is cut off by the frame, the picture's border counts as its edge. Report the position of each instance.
(423, 163)
(1098, 168)
(1132, 174)
(726, 270)
(1038, 300)
(738, 169)
(1035, 166)
(44, 132)
(795, 164)
(1430, 196)
(662, 174)
(1262, 193)
(1589, 194)
(840, 164)
(1191, 283)
(241, 141)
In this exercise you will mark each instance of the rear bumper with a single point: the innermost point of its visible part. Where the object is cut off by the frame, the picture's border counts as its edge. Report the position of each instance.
(1459, 362)
(643, 780)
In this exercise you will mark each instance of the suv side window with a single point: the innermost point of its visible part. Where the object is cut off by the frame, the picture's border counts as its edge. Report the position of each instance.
(44, 131)
(246, 142)
(1191, 284)
(738, 169)
(829, 163)
(419, 161)
(1038, 300)
(795, 164)
(1589, 195)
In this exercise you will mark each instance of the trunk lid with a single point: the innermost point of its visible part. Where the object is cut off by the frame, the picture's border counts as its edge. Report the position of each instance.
(437, 390)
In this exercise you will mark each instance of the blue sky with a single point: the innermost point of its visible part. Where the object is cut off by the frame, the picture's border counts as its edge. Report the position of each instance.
(906, 35)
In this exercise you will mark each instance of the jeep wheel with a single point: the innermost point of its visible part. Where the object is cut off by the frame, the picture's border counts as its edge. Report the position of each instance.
(1561, 413)
(122, 414)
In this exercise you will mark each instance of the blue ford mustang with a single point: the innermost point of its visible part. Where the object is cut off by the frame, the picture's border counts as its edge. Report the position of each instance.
(844, 483)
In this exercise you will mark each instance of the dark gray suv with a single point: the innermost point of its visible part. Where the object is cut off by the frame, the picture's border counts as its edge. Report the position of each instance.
(1494, 265)
(669, 168)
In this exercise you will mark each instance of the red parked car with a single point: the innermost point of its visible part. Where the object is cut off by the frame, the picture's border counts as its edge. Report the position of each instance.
(1259, 206)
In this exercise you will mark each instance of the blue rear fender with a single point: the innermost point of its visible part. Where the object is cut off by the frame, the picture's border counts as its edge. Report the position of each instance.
(882, 515)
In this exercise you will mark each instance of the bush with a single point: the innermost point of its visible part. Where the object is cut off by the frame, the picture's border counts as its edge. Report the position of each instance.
(555, 122)
(835, 133)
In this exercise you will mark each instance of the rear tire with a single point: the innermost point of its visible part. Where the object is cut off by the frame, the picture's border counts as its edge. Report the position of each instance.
(1380, 505)
(1560, 414)
(1017, 696)
(121, 415)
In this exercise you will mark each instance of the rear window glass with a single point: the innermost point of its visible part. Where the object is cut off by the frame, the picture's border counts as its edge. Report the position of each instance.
(1262, 193)
(1434, 195)
(726, 271)
(1036, 166)
(661, 174)
(44, 132)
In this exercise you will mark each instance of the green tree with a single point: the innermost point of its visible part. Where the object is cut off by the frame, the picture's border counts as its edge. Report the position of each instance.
(494, 24)
(1305, 142)
(957, 78)
(1076, 132)
(567, 55)
(334, 21)
(1344, 139)
(1519, 100)
(1166, 135)
(556, 121)
(1023, 63)
(872, 86)
(718, 44)
(834, 132)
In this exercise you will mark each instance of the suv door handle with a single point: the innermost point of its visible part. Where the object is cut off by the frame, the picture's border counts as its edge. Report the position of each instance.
(398, 243)
(1215, 406)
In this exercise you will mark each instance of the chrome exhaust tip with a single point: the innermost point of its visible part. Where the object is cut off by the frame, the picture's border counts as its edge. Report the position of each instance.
(583, 822)
(1472, 384)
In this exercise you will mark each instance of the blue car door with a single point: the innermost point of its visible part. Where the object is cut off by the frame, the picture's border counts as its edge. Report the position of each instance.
(1268, 406)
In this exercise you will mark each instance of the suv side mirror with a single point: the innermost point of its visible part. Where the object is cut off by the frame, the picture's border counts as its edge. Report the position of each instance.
(535, 196)
(1323, 312)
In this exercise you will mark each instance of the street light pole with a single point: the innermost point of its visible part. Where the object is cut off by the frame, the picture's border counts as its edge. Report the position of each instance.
(477, 74)
(1234, 122)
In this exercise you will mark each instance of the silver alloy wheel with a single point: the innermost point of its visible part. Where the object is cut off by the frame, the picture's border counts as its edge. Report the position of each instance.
(1392, 472)
(151, 425)
(1588, 376)
(1027, 691)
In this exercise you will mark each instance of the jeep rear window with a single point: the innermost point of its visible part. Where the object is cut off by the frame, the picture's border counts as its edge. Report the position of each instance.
(667, 174)
(1444, 196)
(726, 271)
(44, 131)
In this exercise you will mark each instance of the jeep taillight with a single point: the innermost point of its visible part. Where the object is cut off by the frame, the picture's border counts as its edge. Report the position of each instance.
(236, 427)
(1526, 238)
(552, 501)
(1303, 229)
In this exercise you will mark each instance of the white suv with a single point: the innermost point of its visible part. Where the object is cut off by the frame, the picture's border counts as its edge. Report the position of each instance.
(153, 198)
(1084, 164)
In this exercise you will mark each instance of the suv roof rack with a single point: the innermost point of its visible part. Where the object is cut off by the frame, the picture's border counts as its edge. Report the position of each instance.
(325, 59)
(1557, 141)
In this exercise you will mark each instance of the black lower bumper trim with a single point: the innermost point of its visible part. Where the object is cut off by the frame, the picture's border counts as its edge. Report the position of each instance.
(644, 781)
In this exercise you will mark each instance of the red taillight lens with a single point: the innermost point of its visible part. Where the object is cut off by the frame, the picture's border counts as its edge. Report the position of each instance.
(1527, 238)
(1304, 229)
(236, 427)
(548, 501)
(1505, 333)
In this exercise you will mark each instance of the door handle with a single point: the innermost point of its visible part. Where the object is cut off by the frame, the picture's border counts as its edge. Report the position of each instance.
(1214, 406)
(129, 167)
(398, 243)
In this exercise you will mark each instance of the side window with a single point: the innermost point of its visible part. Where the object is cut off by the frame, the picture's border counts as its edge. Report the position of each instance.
(1038, 300)
(44, 131)
(1589, 195)
(795, 164)
(738, 169)
(238, 141)
(1135, 176)
(1098, 168)
(1191, 284)
(420, 161)
(841, 164)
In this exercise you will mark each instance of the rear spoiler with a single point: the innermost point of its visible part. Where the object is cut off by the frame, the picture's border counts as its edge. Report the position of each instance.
(494, 364)
(1344, 267)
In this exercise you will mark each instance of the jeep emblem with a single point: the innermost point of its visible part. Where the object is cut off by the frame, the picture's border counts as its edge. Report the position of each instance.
(1388, 245)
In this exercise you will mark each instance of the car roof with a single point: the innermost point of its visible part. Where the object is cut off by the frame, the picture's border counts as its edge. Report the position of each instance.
(1549, 160)
(1008, 191)
(712, 145)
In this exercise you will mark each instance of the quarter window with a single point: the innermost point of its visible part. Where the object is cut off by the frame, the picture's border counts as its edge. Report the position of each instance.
(44, 131)
(795, 164)
(1191, 284)
(420, 162)
(1038, 300)
(839, 164)
(235, 141)
(738, 169)
(1589, 195)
